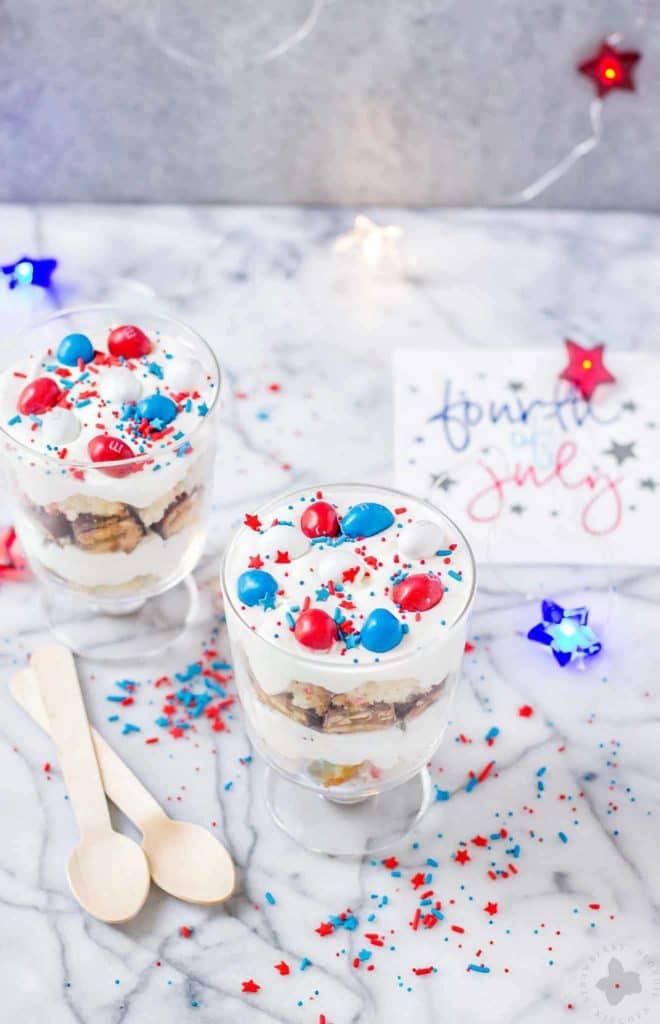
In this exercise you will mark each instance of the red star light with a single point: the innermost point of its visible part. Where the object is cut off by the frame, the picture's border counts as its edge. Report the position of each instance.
(610, 69)
(585, 368)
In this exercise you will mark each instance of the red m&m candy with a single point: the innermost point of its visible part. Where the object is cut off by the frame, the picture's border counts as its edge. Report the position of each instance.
(104, 448)
(319, 520)
(129, 342)
(38, 396)
(316, 629)
(419, 592)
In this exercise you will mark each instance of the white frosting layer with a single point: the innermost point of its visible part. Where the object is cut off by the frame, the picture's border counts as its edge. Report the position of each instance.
(431, 648)
(152, 557)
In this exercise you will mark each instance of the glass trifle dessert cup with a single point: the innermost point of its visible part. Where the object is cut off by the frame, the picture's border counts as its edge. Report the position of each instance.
(347, 611)
(108, 438)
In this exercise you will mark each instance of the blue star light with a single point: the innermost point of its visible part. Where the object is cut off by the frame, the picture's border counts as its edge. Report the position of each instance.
(29, 271)
(565, 632)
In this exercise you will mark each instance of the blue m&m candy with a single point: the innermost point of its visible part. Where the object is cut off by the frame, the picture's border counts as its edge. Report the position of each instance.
(75, 347)
(255, 585)
(157, 407)
(381, 631)
(366, 519)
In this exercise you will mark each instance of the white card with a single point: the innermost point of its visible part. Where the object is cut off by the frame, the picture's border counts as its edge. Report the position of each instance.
(530, 471)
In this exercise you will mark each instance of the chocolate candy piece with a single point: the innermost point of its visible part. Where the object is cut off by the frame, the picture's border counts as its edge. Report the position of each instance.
(177, 516)
(381, 631)
(104, 448)
(316, 629)
(38, 396)
(74, 347)
(419, 592)
(52, 520)
(343, 718)
(319, 520)
(366, 519)
(411, 708)
(157, 407)
(128, 341)
(255, 585)
(108, 533)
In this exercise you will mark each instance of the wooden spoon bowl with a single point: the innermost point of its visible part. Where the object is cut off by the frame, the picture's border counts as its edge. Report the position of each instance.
(109, 875)
(187, 861)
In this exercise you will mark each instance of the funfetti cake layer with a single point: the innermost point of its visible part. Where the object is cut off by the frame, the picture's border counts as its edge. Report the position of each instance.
(347, 585)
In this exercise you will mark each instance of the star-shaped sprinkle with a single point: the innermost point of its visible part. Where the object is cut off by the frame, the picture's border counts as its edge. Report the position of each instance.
(585, 368)
(255, 562)
(610, 69)
(283, 968)
(325, 928)
(462, 857)
(566, 632)
(250, 986)
(252, 521)
(621, 452)
(649, 484)
(491, 908)
(267, 602)
(418, 880)
(283, 558)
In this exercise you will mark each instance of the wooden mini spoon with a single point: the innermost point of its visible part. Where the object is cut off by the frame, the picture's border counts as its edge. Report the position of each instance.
(108, 872)
(184, 859)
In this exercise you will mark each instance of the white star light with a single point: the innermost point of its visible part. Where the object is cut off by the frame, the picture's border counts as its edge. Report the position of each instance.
(374, 242)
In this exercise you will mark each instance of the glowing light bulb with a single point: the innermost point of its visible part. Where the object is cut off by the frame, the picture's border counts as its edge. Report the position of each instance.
(24, 272)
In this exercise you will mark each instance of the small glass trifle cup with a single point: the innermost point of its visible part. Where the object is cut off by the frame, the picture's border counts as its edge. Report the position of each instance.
(347, 609)
(108, 440)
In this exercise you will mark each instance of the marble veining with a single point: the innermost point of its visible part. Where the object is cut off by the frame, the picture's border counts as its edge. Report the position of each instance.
(304, 336)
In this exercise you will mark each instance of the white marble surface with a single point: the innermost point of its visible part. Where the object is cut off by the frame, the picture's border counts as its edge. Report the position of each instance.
(266, 288)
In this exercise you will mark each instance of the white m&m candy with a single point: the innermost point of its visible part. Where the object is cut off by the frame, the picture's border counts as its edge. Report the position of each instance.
(422, 539)
(59, 426)
(183, 374)
(336, 562)
(119, 384)
(281, 539)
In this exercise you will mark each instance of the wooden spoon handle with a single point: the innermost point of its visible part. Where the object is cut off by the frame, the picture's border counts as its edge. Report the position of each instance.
(122, 786)
(57, 682)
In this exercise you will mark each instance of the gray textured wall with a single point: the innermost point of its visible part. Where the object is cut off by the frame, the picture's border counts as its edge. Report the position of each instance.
(385, 101)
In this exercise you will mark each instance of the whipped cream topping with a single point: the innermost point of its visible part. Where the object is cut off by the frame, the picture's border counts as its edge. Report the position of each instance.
(394, 592)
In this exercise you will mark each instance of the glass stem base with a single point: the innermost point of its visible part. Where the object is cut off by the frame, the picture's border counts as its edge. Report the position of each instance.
(123, 630)
(350, 829)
